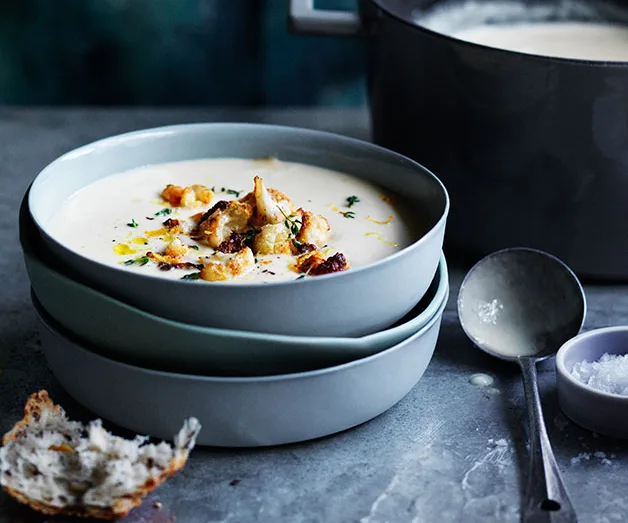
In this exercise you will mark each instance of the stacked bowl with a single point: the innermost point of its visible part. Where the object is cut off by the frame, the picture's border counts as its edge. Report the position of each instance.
(258, 363)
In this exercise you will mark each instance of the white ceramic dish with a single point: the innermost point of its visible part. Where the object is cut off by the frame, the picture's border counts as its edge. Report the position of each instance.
(125, 333)
(240, 412)
(591, 408)
(357, 302)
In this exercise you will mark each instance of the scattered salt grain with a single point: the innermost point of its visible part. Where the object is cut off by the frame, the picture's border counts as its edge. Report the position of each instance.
(608, 374)
(501, 442)
(586, 456)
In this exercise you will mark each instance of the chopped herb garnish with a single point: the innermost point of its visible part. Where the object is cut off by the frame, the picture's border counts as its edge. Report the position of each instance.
(227, 191)
(141, 261)
(164, 212)
(250, 235)
(351, 200)
(192, 276)
(133, 223)
(300, 277)
(348, 214)
(195, 247)
(291, 223)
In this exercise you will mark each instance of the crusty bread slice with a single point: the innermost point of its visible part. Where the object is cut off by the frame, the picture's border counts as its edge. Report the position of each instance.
(58, 466)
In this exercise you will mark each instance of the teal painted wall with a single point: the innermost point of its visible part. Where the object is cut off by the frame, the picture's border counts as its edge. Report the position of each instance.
(171, 52)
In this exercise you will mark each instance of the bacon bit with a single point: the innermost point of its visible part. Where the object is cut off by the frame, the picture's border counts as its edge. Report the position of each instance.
(61, 448)
(390, 219)
(335, 263)
(235, 243)
(172, 223)
(302, 248)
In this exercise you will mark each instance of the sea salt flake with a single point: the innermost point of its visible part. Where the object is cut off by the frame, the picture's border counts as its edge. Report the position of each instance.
(489, 311)
(609, 374)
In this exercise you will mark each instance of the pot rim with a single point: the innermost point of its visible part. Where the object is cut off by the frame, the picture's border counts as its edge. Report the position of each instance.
(386, 9)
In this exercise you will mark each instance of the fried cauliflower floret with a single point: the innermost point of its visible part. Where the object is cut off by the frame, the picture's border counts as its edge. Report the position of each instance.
(305, 262)
(176, 249)
(314, 229)
(190, 197)
(220, 222)
(273, 239)
(315, 264)
(271, 206)
(221, 267)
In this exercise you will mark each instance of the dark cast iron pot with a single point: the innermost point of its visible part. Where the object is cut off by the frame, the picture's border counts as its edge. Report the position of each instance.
(533, 150)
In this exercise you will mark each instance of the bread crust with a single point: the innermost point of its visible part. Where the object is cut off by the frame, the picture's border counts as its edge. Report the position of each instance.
(40, 403)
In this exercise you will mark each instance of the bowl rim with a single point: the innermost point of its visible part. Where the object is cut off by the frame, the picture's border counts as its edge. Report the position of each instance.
(50, 324)
(561, 367)
(441, 294)
(347, 343)
(124, 138)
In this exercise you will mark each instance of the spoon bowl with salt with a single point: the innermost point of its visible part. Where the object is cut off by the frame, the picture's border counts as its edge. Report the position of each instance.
(522, 305)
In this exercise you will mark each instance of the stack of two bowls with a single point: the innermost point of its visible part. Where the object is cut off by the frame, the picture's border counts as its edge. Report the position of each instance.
(257, 363)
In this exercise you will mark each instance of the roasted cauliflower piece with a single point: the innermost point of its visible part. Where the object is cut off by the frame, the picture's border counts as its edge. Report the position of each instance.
(176, 249)
(222, 220)
(315, 264)
(190, 197)
(273, 239)
(221, 267)
(271, 206)
(314, 229)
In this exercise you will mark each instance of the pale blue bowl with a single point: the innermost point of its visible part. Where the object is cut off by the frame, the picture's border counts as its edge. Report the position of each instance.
(125, 333)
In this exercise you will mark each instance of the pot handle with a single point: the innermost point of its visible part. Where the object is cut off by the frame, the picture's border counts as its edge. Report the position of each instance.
(305, 19)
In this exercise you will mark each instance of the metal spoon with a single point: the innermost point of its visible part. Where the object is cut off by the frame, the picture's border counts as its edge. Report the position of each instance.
(521, 305)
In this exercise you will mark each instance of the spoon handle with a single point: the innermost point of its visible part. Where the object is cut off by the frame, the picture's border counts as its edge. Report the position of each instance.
(546, 498)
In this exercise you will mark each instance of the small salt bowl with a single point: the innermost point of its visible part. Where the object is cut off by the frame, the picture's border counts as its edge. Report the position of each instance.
(594, 394)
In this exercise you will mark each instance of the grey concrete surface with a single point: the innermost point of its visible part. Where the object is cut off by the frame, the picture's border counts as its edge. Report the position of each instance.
(448, 452)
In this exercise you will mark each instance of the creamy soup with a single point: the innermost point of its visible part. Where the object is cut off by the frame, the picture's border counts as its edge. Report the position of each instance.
(586, 41)
(278, 221)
